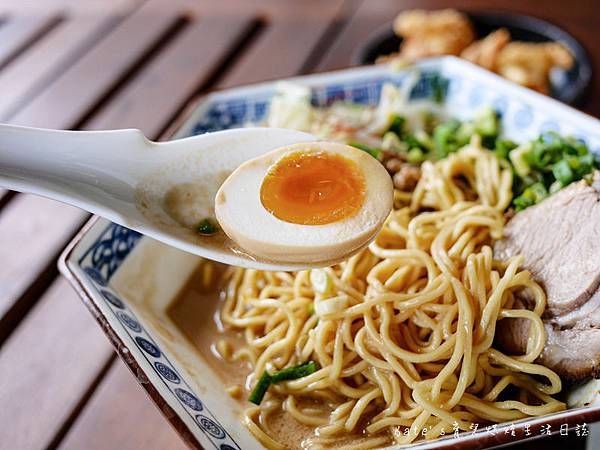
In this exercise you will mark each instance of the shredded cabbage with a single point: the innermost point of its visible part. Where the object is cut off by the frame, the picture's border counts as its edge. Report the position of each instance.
(290, 107)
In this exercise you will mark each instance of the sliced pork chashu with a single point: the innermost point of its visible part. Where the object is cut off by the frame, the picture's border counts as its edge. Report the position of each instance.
(560, 240)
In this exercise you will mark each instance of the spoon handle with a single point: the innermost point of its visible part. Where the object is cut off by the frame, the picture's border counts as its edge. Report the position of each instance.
(81, 168)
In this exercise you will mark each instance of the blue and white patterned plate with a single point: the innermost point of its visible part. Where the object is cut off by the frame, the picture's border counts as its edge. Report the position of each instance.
(127, 281)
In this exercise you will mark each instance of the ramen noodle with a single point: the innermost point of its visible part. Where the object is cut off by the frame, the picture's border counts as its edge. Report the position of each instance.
(401, 334)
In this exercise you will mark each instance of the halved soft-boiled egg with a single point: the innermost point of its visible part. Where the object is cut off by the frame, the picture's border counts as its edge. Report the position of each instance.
(311, 202)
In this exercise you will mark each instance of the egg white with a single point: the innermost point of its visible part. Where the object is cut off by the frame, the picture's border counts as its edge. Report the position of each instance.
(245, 220)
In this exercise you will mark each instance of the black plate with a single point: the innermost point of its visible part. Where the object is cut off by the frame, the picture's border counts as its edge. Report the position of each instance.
(567, 86)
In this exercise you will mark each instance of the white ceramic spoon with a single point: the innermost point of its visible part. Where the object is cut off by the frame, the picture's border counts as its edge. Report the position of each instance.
(124, 177)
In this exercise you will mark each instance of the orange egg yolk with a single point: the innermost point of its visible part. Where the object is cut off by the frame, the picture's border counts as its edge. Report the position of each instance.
(313, 188)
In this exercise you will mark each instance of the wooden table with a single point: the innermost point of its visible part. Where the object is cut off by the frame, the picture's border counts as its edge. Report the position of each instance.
(96, 64)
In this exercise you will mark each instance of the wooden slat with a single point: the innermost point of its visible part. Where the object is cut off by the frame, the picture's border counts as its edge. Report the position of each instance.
(71, 96)
(67, 6)
(354, 34)
(29, 73)
(119, 416)
(33, 231)
(152, 98)
(271, 9)
(48, 365)
(282, 50)
(19, 31)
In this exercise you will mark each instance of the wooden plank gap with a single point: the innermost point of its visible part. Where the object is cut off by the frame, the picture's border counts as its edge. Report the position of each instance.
(70, 7)
(43, 62)
(331, 34)
(82, 403)
(218, 72)
(178, 26)
(182, 68)
(255, 32)
(33, 232)
(87, 84)
(142, 427)
(281, 50)
(21, 32)
(53, 360)
(366, 20)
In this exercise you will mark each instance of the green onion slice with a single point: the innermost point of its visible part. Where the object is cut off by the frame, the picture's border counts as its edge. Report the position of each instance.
(206, 226)
(259, 391)
(293, 373)
(290, 373)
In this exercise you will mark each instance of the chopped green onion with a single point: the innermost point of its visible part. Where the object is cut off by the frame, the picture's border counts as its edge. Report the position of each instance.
(522, 202)
(423, 140)
(321, 281)
(415, 156)
(464, 133)
(555, 187)
(412, 141)
(552, 160)
(444, 138)
(518, 159)
(293, 373)
(333, 305)
(290, 373)
(486, 122)
(396, 124)
(539, 192)
(562, 172)
(585, 164)
(206, 226)
(374, 152)
(542, 155)
(391, 142)
(531, 196)
(259, 391)
(503, 147)
(578, 146)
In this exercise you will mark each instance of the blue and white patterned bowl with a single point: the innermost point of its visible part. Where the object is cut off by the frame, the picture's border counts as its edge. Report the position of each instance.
(128, 281)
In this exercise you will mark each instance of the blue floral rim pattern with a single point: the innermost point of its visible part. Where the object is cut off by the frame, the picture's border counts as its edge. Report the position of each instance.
(240, 111)
(99, 263)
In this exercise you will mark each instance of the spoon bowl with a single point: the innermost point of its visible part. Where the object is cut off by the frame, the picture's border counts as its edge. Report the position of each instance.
(160, 189)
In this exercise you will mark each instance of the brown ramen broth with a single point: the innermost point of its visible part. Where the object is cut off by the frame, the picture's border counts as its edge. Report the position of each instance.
(195, 311)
